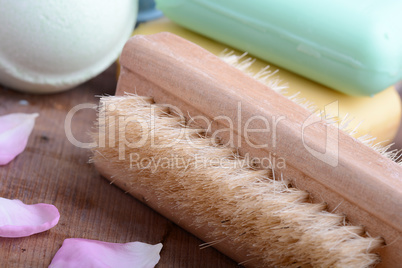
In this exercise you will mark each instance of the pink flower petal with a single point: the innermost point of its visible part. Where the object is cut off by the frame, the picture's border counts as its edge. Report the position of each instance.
(77, 252)
(18, 219)
(14, 133)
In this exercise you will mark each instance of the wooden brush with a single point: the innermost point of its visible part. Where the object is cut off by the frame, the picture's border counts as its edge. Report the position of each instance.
(257, 216)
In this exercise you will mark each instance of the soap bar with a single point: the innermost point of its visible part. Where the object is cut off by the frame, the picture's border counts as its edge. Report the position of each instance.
(378, 116)
(352, 46)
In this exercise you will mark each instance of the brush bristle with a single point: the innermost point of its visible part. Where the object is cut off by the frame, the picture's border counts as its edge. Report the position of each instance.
(275, 224)
(268, 78)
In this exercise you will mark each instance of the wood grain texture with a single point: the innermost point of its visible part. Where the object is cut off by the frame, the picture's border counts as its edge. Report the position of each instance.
(52, 170)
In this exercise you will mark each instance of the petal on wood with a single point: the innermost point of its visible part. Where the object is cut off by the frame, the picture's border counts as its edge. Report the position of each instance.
(77, 252)
(14, 133)
(18, 219)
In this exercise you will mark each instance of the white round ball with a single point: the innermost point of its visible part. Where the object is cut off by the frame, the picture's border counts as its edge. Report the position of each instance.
(49, 46)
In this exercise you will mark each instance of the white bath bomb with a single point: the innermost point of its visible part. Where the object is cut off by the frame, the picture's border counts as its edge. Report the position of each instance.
(49, 46)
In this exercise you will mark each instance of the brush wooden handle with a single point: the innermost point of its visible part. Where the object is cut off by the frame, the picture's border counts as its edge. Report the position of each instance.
(364, 185)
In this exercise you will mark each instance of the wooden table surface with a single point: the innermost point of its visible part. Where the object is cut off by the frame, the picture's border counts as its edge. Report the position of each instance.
(52, 170)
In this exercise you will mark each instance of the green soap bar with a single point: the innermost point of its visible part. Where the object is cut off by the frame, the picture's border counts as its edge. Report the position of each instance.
(351, 46)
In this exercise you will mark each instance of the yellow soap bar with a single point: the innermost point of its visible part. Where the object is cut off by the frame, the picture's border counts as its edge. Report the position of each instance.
(378, 116)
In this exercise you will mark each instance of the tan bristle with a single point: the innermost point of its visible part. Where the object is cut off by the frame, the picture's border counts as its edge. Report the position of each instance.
(266, 77)
(274, 224)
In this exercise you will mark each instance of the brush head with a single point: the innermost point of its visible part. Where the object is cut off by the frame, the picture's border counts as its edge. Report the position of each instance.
(206, 188)
(200, 87)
